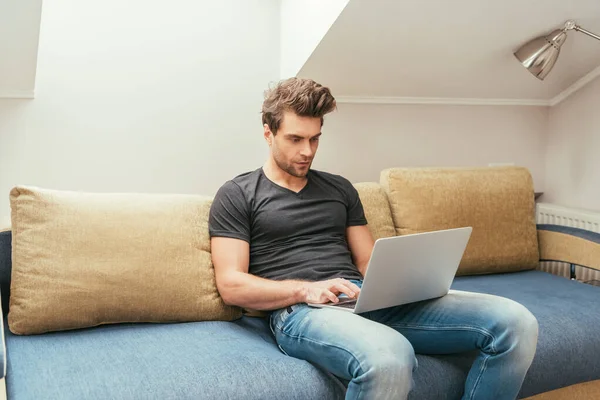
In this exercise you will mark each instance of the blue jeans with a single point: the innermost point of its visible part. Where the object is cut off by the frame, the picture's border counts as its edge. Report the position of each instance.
(375, 351)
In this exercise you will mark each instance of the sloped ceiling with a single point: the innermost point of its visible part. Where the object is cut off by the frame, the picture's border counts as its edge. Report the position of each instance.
(19, 36)
(297, 42)
(452, 49)
(388, 49)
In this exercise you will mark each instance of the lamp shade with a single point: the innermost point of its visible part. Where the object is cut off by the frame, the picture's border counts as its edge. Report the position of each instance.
(540, 54)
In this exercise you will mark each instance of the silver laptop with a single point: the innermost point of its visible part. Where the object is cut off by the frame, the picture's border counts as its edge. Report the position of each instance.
(409, 268)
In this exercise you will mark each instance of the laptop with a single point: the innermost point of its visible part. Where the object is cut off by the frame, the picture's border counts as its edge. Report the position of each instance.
(408, 268)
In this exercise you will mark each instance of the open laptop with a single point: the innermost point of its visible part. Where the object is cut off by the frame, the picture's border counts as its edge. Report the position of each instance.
(409, 268)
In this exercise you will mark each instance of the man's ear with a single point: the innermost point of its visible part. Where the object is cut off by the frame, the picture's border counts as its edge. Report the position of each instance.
(268, 134)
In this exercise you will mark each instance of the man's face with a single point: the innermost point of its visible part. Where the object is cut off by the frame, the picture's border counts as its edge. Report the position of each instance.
(295, 144)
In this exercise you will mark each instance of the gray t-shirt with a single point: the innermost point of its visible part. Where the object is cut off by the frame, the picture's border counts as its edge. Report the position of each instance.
(291, 235)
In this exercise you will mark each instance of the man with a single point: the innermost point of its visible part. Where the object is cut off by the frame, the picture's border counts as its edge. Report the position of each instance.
(285, 235)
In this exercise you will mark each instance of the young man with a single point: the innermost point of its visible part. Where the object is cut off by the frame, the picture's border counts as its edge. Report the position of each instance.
(285, 235)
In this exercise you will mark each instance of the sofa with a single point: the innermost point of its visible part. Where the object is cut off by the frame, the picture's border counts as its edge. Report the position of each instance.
(112, 296)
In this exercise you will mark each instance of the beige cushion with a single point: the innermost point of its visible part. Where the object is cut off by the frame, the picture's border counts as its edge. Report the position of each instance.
(85, 259)
(498, 202)
(377, 209)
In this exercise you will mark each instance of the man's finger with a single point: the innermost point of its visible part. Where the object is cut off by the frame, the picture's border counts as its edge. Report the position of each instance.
(352, 286)
(345, 289)
(332, 297)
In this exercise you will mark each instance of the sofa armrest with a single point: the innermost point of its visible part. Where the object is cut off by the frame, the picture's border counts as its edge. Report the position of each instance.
(571, 245)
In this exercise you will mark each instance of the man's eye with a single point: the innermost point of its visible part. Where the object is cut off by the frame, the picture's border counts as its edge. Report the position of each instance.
(295, 140)
(315, 139)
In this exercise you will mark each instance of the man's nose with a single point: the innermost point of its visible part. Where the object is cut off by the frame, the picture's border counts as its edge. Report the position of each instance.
(306, 150)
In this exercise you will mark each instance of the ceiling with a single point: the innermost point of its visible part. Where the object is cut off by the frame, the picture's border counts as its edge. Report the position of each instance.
(460, 49)
(396, 50)
(19, 35)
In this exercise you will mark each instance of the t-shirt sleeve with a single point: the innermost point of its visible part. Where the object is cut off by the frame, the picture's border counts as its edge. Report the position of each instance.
(229, 215)
(356, 213)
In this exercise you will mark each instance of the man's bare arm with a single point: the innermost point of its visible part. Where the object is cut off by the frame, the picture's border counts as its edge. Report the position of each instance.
(360, 242)
(237, 287)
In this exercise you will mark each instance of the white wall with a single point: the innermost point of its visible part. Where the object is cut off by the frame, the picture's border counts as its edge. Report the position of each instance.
(359, 140)
(573, 154)
(148, 97)
(303, 25)
(142, 95)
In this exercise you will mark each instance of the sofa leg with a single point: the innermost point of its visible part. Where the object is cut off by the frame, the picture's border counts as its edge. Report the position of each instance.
(573, 277)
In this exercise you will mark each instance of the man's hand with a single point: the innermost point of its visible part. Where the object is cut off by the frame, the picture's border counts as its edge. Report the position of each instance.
(326, 291)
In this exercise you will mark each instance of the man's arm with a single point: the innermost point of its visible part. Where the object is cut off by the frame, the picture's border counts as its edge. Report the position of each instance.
(237, 287)
(359, 238)
(360, 242)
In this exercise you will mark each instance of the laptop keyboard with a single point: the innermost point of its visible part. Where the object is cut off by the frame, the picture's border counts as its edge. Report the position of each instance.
(346, 303)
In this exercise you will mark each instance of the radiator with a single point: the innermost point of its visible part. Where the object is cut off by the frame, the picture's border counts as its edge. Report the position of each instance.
(547, 213)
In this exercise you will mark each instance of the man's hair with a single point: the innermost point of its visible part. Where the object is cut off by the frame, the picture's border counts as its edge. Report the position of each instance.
(304, 97)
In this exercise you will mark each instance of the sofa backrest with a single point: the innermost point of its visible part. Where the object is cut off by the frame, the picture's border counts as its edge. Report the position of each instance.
(372, 195)
(377, 209)
(85, 259)
(498, 202)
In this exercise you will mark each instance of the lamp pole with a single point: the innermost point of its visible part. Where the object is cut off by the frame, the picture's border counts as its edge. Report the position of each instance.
(572, 25)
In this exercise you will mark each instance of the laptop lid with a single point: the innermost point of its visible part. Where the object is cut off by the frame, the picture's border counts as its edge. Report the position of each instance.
(410, 268)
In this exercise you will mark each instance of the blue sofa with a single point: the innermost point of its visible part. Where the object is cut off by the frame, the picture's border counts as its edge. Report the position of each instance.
(240, 360)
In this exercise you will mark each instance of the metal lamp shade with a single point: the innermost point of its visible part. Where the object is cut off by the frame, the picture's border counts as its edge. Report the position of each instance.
(540, 54)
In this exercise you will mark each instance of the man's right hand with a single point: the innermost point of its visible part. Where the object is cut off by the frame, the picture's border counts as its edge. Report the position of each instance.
(328, 291)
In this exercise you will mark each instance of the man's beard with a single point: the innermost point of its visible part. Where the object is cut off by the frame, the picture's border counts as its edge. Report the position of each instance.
(290, 169)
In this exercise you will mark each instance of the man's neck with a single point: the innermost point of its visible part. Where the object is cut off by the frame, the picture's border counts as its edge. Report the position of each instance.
(282, 178)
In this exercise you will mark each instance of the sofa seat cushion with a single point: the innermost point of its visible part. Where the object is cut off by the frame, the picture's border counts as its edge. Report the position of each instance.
(240, 359)
(190, 360)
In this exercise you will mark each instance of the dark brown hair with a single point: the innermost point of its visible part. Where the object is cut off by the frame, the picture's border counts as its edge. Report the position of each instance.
(304, 97)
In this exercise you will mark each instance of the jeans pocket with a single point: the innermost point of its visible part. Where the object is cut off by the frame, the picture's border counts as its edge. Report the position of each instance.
(277, 322)
(278, 318)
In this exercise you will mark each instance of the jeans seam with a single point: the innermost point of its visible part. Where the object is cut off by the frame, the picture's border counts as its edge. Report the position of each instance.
(299, 337)
(481, 371)
(464, 328)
